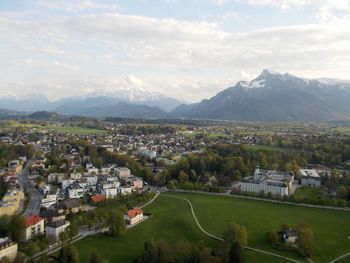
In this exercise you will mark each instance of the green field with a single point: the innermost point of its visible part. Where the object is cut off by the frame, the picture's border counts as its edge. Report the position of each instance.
(172, 221)
(311, 193)
(76, 130)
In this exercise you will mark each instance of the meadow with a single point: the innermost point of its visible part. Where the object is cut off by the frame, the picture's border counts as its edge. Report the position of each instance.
(171, 220)
(76, 130)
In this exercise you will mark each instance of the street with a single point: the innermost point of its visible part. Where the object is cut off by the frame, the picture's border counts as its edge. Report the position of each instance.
(34, 204)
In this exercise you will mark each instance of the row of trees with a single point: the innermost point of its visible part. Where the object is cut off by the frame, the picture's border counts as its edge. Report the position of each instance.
(9, 152)
(231, 251)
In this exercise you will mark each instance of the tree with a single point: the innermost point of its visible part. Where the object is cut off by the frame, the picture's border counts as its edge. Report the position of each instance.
(68, 254)
(17, 228)
(73, 230)
(272, 237)
(236, 234)
(20, 258)
(306, 240)
(95, 258)
(117, 224)
(236, 254)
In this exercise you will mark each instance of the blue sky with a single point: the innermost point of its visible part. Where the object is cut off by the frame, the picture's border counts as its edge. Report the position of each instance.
(189, 49)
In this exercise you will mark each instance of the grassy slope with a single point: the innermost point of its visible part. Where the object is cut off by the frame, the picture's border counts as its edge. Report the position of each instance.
(171, 220)
(331, 228)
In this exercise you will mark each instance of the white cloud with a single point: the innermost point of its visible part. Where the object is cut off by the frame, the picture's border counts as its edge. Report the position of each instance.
(190, 60)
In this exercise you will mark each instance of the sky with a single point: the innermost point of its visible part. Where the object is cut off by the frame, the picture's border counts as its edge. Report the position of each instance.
(187, 49)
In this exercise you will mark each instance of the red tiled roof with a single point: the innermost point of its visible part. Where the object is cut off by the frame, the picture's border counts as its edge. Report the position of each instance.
(134, 212)
(32, 220)
(97, 198)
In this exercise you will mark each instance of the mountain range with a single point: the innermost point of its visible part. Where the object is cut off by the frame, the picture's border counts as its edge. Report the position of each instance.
(271, 96)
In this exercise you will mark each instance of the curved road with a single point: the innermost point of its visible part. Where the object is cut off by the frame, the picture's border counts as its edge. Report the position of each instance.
(220, 239)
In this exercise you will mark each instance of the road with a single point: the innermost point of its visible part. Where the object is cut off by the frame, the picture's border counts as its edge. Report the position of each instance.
(221, 239)
(34, 204)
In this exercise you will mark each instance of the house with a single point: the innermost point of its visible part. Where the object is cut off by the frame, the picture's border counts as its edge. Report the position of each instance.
(8, 249)
(34, 227)
(134, 216)
(54, 229)
(15, 166)
(51, 215)
(50, 197)
(70, 206)
(97, 198)
(123, 172)
(124, 190)
(9, 204)
(75, 191)
(137, 182)
(289, 236)
(310, 177)
(55, 178)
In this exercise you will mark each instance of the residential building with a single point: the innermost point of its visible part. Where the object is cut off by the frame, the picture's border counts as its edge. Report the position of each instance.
(50, 197)
(123, 172)
(75, 191)
(310, 177)
(34, 227)
(54, 229)
(9, 204)
(134, 216)
(124, 190)
(8, 249)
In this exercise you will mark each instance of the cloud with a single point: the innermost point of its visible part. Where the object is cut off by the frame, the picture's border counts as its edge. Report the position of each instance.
(191, 60)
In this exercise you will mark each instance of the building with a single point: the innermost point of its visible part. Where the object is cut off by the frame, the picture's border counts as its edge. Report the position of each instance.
(310, 177)
(15, 166)
(54, 229)
(9, 204)
(137, 182)
(109, 192)
(50, 197)
(289, 236)
(55, 178)
(123, 172)
(274, 182)
(134, 216)
(8, 249)
(34, 227)
(97, 198)
(124, 190)
(75, 191)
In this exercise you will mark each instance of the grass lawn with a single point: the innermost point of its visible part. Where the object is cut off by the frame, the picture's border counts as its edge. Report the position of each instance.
(171, 220)
(331, 228)
(311, 193)
(76, 130)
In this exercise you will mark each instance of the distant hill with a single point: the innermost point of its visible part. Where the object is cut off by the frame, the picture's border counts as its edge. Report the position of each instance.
(5, 113)
(103, 107)
(43, 115)
(275, 97)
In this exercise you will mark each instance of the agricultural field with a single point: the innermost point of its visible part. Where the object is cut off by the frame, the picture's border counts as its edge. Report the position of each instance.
(76, 130)
(172, 221)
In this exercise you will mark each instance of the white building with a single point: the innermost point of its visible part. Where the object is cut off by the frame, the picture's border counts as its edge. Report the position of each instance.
(54, 229)
(310, 177)
(110, 192)
(67, 183)
(134, 216)
(124, 190)
(50, 197)
(75, 191)
(34, 227)
(276, 183)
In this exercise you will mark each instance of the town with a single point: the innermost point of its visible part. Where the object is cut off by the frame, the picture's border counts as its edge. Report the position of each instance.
(55, 179)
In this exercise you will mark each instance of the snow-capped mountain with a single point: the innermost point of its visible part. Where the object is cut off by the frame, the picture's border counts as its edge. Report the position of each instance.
(273, 96)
